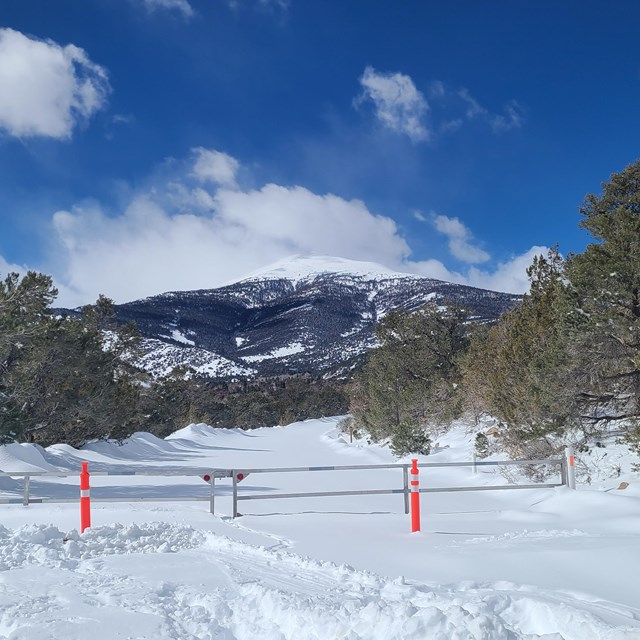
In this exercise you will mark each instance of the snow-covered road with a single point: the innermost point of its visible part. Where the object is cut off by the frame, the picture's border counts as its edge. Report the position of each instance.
(545, 563)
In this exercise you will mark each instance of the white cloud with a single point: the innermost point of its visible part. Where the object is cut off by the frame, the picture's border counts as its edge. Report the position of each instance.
(215, 167)
(460, 239)
(451, 108)
(399, 105)
(181, 6)
(296, 219)
(512, 118)
(450, 125)
(437, 89)
(47, 89)
(182, 234)
(6, 268)
(473, 109)
(432, 268)
(510, 276)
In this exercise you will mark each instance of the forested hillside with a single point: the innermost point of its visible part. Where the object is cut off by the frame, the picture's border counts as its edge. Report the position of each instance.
(563, 363)
(67, 379)
(303, 315)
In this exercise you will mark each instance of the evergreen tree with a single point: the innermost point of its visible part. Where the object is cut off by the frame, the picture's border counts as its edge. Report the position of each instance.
(569, 355)
(61, 378)
(604, 309)
(633, 440)
(25, 319)
(410, 380)
(515, 369)
(407, 438)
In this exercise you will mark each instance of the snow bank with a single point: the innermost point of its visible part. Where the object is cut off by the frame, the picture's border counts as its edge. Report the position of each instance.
(203, 433)
(194, 432)
(235, 591)
(45, 545)
(140, 446)
(23, 457)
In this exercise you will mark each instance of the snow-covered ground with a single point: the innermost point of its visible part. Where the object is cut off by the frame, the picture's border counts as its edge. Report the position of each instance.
(540, 563)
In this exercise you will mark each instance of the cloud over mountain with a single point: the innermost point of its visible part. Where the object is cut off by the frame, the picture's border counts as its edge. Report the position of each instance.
(199, 229)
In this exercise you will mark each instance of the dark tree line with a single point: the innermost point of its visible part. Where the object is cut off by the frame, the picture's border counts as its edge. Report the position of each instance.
(182, 399)
(66, 379)
(61, 379)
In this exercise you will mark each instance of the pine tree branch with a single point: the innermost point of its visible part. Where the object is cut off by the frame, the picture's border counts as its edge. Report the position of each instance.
(622, 416)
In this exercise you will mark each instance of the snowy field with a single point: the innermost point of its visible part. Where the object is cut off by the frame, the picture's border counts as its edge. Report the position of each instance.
(492, 565)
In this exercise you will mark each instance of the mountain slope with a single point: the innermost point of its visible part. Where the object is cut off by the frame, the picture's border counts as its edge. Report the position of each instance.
(301, 315)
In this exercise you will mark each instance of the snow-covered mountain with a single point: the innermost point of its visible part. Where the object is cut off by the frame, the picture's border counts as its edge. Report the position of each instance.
(303, 314)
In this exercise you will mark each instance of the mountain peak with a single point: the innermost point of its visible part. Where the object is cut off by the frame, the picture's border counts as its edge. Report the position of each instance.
(300, 267)
(304, 315)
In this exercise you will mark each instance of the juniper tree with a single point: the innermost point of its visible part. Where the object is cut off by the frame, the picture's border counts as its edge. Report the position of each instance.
(604, 311)
(410, 380)
(61, 378)
(24, 319)
(407, 438)
(515, 369)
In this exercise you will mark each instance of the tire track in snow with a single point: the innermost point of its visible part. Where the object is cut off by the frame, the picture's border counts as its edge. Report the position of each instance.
(175, 583)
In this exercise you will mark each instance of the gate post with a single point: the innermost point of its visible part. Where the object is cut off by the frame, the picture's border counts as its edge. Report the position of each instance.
(415, 497)
(85, 500)
(235, 495)
(25, 492)
(571, 467)
(405, 486)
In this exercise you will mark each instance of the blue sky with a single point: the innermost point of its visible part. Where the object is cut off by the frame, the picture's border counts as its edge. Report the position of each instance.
(151, 145)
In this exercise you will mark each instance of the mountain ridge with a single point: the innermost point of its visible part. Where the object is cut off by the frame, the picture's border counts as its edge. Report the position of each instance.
(302, 315)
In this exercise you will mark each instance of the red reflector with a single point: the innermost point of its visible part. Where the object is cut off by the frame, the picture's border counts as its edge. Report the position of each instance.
(240, 476)
(206, 477)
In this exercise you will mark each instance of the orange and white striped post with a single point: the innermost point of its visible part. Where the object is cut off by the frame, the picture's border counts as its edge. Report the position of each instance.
(85, 500)
(415, 497)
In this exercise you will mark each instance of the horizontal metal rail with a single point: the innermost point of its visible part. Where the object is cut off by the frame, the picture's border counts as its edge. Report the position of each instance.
(405, 490)
(174, 473)
(75, 500)
(227, 473)
(357, 467)
(219, 473)
(324, 494)
(367, 492)
(495, 487)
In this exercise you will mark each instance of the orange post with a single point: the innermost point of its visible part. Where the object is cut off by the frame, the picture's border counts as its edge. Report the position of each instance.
(571, 467)
(415, 497)
(85, 500)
